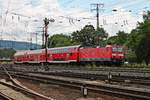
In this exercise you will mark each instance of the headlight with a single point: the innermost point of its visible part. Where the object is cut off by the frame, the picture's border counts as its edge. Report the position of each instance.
(114, 54)
(120, 54)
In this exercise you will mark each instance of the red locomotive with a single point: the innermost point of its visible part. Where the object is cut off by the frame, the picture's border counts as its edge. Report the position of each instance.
(70, 54)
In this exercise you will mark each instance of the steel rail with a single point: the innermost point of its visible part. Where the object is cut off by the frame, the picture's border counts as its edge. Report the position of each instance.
(26, 91)
(99, 68)
(5, 97)
(115, 78)
(20, 87)
(131, 92)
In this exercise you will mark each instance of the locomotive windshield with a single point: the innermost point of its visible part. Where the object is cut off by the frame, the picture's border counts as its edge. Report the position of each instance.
(117, 49)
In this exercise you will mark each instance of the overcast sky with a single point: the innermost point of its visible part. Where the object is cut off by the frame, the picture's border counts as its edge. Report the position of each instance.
(20, 19)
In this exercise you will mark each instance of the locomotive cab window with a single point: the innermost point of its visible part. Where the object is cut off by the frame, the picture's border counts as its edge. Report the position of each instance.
(120, 49)
(115, 49)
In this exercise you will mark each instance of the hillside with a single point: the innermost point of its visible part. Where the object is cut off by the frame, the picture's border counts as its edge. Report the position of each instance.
(18, 45)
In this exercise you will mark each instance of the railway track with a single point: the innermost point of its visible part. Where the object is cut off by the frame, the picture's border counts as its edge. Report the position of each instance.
(79, 67)
(115, 71)
(16, 85)
(107, 88)
(118, 79)
(142, 76)
(5, 97)
(131, 92)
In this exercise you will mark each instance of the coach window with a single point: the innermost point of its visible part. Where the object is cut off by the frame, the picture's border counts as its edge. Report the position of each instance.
(67, 55)
(120, 49)
(114, 49)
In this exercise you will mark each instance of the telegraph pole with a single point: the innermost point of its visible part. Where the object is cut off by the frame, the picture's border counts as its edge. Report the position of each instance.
(97, 7)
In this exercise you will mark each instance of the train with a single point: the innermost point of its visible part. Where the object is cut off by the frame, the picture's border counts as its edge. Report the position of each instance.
(110, 54)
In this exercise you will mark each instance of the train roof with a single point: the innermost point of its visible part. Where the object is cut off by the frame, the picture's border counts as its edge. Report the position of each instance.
(67, 47)
(18, 53)
(22, 52)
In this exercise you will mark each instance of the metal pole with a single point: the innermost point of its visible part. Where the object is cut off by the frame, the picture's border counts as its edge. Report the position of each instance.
(36, 39)
(46, 22)
(97, 10)
(30, 41)
(43, 38)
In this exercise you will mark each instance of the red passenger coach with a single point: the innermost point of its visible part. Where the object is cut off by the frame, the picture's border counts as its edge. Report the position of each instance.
(54, 55)
(63, 54)
(108, 54)
(30, 56)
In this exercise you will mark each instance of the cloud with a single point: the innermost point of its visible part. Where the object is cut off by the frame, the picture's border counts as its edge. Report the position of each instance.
(21, 16)
(14, 14)
(121, 20)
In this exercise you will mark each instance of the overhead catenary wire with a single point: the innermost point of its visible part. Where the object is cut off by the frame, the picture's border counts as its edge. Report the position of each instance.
(8, 7)
(73, 20)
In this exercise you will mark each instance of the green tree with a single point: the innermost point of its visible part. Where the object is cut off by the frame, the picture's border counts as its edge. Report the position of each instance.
(7, 53)
(142, 49)
(102, 36)
(134, 39)
(130, 56)
(88, 36)
(112, 40)
(120, 38)
(139, 40)
(146, 16)
(60, 40)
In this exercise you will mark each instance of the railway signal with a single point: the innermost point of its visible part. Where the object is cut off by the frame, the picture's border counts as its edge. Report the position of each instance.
(46, 22)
